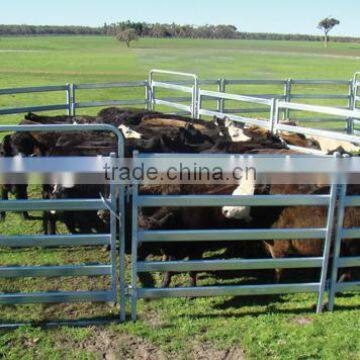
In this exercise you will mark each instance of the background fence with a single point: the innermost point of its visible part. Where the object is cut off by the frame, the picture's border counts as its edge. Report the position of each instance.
(336, 93)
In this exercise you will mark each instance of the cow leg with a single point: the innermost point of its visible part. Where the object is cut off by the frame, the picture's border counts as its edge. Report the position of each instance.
(21, 194)
(146, 279)
(49, 223)
(4, 196)
(168, 275)
(278, 275)
(345, 277)
(193, 278)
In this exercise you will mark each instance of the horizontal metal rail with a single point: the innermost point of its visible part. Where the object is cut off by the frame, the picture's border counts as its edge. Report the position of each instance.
(169, 72)
(229, 235)
(319, 132)
(348, 286)
(245, 111)
(27, 109)
(352, 233)
(58, 297)
(176, 99)
(79, 105)
(172, 86)
(350, 261)
(33, 89)
(320, 82)
(256, 96)
(172, 104)
(232, 200)
(110, 85)
(233, 264)
(320, 109)
(156, 293)
(43, 205)
(226, 96)
(254, 82)
(21, 241)
(241, 119)
(319, 96)
(54, 271)
(352, 200)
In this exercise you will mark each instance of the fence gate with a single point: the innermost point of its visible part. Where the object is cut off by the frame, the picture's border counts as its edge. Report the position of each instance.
(140, 236)
(174, 102)
(342, 233)
(116, 204)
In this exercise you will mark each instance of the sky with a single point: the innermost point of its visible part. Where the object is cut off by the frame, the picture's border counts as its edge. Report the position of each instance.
(281, 16)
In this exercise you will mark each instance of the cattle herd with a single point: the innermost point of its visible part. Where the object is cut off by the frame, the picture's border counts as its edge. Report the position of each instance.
(154, 132)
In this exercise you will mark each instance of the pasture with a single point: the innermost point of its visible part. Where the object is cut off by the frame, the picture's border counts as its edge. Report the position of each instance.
(279, 327)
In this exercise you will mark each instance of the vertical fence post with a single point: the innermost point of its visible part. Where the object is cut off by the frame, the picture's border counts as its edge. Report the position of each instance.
(114, 279)
(337, 246)
(134, 246)
(199, 103)
(149, 96)
(287, 94)
(150, 91)
(221, 88)
(327, 243)
(73, 100)
(121, 225)
(274, 116)
(68, 99)
(351, 106)
(194, 99)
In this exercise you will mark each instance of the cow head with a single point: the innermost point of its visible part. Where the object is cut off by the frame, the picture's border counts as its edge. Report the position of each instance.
(236, 131)
(245, 187)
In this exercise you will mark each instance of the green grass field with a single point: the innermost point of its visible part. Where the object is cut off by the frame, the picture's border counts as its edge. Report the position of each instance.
(276, 327)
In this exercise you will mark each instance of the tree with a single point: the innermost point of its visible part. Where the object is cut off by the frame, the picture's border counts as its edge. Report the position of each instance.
(326, 25)
(127, 35)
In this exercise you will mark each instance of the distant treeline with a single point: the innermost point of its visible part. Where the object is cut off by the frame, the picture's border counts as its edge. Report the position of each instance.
(162, 31)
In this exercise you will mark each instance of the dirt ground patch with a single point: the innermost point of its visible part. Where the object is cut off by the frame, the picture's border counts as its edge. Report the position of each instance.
(302, 320)
(103, 344)
(206, 351)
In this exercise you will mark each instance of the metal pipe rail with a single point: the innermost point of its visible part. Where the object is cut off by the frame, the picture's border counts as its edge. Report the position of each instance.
(340, 261)
(353, 114)
(38, 89)
(221, 113)
(287, 94)
(167, 236)
(116, 203)
(87, 104)
(193, 90)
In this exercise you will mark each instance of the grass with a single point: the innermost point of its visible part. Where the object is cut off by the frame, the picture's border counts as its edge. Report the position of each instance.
(277, 327)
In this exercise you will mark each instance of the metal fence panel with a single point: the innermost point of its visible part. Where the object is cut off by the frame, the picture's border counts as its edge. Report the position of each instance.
(19, 241)
(167, 236)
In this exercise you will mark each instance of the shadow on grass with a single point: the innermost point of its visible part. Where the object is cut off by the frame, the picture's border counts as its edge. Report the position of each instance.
(241, 301)
(55, 323)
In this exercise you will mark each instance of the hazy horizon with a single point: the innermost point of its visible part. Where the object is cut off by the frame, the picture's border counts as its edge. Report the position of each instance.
(276, 16)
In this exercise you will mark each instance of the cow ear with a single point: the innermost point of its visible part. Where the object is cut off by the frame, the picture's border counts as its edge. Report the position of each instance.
(29, 116)
(7, 148)
(219, 122)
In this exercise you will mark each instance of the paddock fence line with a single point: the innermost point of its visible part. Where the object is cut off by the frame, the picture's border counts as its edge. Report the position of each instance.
(191, 85)
(115, 202)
